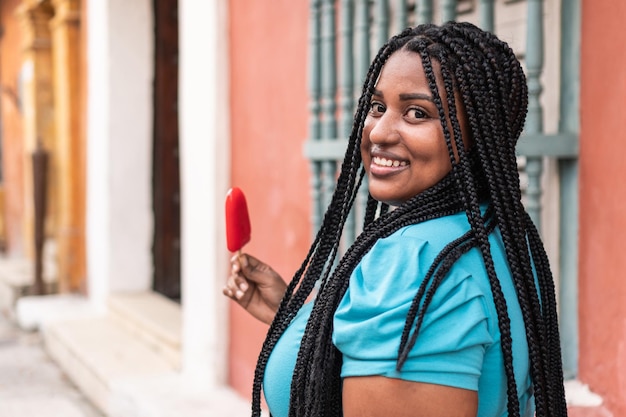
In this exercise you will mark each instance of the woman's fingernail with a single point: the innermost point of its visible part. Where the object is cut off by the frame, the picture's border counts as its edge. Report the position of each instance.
(239, 294)
(243, 286)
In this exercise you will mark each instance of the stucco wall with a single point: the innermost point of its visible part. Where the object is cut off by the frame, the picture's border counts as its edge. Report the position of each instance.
(602, 286)
(268, 57)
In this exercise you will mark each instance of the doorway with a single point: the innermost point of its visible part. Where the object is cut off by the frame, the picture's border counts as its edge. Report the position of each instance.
(165, 161)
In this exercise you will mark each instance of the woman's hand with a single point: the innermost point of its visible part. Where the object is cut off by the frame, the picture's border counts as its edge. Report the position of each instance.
(255, 286)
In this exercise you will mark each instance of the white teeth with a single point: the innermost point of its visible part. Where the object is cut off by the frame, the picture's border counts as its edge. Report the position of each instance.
(388, 162)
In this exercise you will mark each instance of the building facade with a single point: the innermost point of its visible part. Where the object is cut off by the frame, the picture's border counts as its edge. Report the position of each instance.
(150, 111)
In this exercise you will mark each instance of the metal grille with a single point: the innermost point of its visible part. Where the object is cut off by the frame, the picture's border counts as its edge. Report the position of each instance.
(352, 30)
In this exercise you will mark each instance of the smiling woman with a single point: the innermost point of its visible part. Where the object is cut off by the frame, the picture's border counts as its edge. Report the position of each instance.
(445, 305)
(403, 148)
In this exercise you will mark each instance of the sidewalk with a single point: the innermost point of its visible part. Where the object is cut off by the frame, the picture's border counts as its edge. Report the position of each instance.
(31, 385)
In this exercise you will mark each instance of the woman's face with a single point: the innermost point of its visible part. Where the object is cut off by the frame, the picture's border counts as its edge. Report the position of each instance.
(403, 147)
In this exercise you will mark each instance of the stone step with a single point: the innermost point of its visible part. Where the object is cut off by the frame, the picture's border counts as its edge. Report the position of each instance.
(127, 362)
(173, 396)
(99, 354)
(154, 319)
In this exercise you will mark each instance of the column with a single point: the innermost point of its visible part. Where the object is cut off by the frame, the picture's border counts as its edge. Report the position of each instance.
(204, 163)
(38, 108)
(69, 147)
(118, 151)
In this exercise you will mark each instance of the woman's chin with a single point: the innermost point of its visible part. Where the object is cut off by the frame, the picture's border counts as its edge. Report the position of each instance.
(386, 198)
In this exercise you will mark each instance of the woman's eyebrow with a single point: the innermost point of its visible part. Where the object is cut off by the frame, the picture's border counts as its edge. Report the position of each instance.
(416, 96)
(407, 96)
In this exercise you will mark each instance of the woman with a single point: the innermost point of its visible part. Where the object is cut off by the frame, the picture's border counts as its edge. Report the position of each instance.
(445, 305)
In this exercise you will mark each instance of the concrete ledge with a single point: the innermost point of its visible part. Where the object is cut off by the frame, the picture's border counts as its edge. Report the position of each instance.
(97, 353)
(33, 312)
(35, 406)
(153, 318)
(171, 396)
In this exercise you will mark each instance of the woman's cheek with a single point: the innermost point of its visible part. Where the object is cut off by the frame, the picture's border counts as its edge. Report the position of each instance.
(365, 137)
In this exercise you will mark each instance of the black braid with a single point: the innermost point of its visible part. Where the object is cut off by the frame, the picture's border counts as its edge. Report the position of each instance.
(437, 271)
(525, 287)
(519, 257)
(481, 72)
(548, 297)
(470, 196)
(490, 176)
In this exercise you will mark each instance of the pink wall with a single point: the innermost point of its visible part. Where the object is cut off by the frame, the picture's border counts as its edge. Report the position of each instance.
(268, 70)
(268, 58)
(602, 283)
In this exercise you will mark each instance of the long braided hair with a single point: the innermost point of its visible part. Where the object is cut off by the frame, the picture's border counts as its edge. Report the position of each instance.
(483, 73)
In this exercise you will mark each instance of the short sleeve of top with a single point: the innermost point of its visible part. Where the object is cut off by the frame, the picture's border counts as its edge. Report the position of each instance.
(371, 317)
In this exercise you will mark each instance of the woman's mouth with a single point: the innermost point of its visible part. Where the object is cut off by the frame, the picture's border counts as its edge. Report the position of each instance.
(381, 167)
(384, 162)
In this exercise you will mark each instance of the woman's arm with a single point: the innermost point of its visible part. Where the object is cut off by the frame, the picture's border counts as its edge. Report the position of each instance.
(379, 396)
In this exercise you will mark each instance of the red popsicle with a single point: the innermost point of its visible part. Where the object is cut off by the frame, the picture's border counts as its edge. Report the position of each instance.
(237, 220)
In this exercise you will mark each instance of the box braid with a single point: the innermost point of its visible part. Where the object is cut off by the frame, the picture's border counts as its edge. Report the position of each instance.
(498, 76)
(483, 73)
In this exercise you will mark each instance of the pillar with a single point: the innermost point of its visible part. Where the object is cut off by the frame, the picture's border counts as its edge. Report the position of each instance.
(204, 154)
(38, 108)
(69, 147)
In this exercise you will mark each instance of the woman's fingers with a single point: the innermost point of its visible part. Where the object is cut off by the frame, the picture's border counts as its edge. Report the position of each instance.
(236, 286)
(241, 286)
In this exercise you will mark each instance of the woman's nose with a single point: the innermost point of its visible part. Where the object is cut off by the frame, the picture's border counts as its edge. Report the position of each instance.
(384, 129)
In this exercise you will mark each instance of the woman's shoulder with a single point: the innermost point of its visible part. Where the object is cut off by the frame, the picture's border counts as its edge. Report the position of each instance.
(437, 231)
(422, 240)
(390, 274)
(371, 317)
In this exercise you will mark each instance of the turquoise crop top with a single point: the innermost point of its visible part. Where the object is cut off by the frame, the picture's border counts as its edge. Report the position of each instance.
(459, 341)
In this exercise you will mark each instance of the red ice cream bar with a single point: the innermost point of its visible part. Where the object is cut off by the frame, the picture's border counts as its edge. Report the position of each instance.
(237, 220)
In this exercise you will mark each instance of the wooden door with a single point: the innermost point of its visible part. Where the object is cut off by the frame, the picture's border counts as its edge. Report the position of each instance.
(165, 166)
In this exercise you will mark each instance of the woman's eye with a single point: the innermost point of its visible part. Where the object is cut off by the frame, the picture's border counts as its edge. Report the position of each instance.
(377, 108)
(417, 113)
